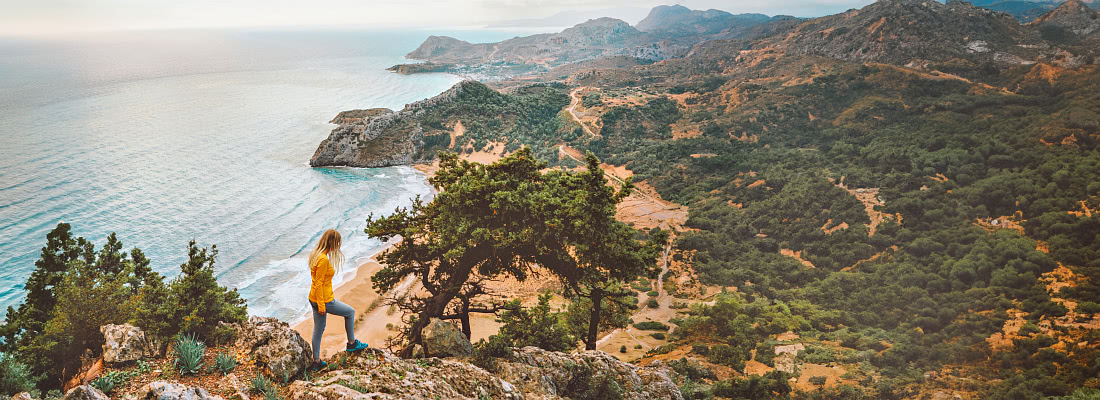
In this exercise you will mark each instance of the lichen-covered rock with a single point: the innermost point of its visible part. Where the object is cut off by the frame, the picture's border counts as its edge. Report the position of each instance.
(275, 346)
(378, 374)
(443, 339)
(555, 374)
(125, 344)
(530, 373)
(161, 390)
(85, 392)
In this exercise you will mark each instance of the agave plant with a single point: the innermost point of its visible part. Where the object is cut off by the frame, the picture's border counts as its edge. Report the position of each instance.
(189, 352)
(225, 363)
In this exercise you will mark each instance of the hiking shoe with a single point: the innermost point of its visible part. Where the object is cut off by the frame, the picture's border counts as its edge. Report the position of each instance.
(357, 346)
(320, 365)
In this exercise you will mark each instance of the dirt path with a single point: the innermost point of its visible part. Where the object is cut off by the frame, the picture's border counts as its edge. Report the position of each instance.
(575, 100)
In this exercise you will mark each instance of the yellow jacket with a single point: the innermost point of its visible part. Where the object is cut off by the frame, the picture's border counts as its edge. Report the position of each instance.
(320, 291)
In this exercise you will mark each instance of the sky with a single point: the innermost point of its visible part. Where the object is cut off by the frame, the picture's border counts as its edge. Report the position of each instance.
(61, 17)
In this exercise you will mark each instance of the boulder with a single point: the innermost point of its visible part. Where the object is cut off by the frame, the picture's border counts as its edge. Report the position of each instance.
(85, 392)
(124, 344)
(275, 346)
(443, 339)
(22, 396)
(161, 390)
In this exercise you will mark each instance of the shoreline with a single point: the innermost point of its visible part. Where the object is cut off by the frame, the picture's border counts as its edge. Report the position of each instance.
(371, 314)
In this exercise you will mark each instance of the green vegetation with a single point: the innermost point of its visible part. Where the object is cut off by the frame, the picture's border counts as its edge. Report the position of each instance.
(536, 326)
(930, 284)
(526, 116)
(189, 353)
(225, 363)
(75, 289)
(651, 326)
(263, 386)
(500, 220)
(15, 377)
(109, 381)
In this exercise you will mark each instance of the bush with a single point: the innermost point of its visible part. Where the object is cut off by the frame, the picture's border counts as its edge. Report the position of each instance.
(651, 326)
(486, 352)
(692, 370)
(584, 383)
(15, 377)
(622, 349)
(658, 336)
(189, 353)
(652, 303)
(652, 293)
(536, 326)
(225, 363)
(700, 349)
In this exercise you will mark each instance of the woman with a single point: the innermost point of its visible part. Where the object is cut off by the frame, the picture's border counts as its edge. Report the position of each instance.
(321, 262)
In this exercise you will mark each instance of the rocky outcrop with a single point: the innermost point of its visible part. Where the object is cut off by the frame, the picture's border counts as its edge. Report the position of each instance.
(351, 116)
(409, 69)
(22, 396)
(124, 344)
(161, 390)
(529, 373)
(85, 392)
(274, 346)
(443, 339)
(383, 140)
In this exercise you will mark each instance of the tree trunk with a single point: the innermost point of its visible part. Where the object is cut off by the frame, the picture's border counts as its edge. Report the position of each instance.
(594, 320)
(465, 317)
(435, 307)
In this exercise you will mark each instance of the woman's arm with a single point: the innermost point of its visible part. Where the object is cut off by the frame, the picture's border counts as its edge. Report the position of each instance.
(319, 274)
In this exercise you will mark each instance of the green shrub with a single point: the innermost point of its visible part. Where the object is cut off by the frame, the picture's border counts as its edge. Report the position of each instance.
(189, 353)
(659, 336)
(486, 352)
(15, 377)
(637, 346)
(622, 349)
(109, 381)
(692, 370)
(536, 326)
(700, 349)
(225, 363)
(651, 326)
(652, 293)
(652, 303)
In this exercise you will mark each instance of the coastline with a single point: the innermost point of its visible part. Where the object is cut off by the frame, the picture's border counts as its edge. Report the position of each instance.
(371, 315)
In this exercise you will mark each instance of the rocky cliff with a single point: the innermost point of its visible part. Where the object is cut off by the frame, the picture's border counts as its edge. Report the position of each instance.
(1074, 16)
(381, 138)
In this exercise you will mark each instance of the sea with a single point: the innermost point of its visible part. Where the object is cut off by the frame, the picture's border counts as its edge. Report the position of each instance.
(163, 137)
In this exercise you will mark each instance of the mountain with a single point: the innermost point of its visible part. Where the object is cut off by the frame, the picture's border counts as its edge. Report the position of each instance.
(1023, 10)
(572, 17)
(1074, 16)
(903, 31)
(680, 20)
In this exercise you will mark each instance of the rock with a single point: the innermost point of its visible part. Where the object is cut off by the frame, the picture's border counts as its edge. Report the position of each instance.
(443, 339)
(161, 390)
(944, 395)
(529, 373)
(534, 370)
(274, 346)
(232, 384)
(22, 396)
(124, 344)
(85, 392)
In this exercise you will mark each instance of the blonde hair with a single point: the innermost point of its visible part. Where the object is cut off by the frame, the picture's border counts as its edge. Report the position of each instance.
(330, 247)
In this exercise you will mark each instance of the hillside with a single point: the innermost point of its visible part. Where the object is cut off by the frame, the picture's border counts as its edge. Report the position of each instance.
(901, 198)
(680, 20)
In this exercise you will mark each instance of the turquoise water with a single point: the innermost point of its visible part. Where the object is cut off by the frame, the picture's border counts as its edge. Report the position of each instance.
(164, 137)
